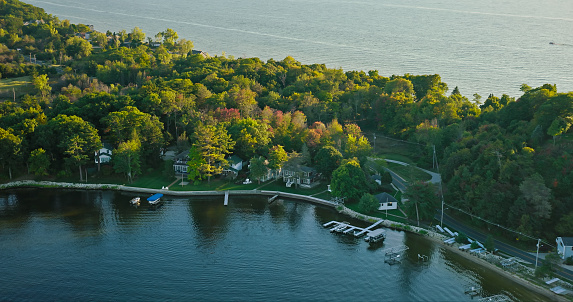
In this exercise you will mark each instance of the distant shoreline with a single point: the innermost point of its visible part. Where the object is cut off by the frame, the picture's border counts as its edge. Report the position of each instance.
(430, 235)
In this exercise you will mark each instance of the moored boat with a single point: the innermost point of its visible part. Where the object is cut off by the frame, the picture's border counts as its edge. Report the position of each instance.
(375, 236)
(135, 201)
(154, 199)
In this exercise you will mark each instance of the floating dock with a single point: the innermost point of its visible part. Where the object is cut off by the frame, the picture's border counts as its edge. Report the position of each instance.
(346, 228)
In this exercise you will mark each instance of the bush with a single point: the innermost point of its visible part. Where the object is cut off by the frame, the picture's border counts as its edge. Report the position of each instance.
(368, 203)
(489, 243)
(461, 238)
(569, 260)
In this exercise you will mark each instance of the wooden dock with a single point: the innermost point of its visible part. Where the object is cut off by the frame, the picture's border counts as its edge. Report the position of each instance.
(226, 198)
(271, 199)
(366, 230)
(346, 228)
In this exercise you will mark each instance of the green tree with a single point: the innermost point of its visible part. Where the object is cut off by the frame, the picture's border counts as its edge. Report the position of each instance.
(78, 47)
(169, 38)
(348, 180)
(252, 137)
(194, 164)
(78, 140)
(327, 159)
(357, 147)
(137, 36)
(537, 195)
(559, 126)
(41, 84)
(39, 162)
(213, 144)
(368, 203)
(277, 157)
(126, 158)
(422, 201)
(258, 168)
(10, 146)
(99, 38)
(489, 243)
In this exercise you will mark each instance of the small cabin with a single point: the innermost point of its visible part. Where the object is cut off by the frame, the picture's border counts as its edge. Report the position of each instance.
(386, 201)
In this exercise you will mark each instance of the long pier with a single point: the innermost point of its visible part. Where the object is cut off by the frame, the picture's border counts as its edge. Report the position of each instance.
(226, 202)
(346, 228)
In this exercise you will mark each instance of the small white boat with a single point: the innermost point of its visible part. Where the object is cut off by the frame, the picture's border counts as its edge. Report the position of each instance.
(135, 201)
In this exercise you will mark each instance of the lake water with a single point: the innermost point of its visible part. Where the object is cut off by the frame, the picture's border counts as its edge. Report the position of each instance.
(94, 246)
(483, 47)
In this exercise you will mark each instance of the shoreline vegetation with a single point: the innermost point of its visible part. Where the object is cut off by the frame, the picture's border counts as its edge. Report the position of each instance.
(429, 234)
(76, 100)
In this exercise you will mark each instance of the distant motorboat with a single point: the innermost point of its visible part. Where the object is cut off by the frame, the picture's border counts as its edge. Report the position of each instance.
(135, 201)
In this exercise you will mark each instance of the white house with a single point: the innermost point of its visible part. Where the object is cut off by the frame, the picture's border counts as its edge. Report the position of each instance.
(564, 247)
(103, 155)
(387, 202)
(180, 162)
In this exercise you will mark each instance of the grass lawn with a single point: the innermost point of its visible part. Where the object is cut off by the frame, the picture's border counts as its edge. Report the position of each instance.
(409, 173)
(21, 85)
(381, 214)
(390, 147)
(20, 82)
(398, 157)
(279, 185)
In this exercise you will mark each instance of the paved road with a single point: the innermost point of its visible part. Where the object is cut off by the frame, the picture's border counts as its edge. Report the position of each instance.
(398, 181)
(504, 247)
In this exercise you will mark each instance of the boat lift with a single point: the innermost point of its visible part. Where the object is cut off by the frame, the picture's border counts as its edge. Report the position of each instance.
(393, 255)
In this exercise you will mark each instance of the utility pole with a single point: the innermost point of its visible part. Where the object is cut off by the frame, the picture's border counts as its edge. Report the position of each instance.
(374, 143)
(435, 165)
(537, 256)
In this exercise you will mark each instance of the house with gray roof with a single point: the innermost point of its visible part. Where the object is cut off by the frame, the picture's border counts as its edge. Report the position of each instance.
(387, 201)
(564, 247)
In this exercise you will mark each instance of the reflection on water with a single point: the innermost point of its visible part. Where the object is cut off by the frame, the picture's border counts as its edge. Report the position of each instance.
(94, 245)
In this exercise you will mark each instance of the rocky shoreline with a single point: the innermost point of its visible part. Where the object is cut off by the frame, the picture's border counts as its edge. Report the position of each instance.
(431, 235)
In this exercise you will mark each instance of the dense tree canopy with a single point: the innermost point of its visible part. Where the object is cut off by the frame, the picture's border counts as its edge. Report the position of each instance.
(503, 158)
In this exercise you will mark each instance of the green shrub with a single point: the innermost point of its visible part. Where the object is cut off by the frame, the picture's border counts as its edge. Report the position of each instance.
(461, 238)
(569, 260)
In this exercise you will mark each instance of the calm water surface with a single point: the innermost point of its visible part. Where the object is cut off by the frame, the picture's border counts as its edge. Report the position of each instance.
(483, 47)
(92, 245)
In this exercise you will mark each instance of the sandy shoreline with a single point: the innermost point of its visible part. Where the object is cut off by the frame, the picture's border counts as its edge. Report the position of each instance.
(435, 237)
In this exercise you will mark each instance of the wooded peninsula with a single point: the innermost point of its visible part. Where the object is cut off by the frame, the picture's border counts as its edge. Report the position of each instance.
(67, 89)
